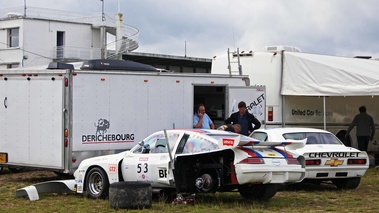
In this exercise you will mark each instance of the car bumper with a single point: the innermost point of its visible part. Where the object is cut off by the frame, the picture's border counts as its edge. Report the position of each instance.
(248, 174)
(331, 173)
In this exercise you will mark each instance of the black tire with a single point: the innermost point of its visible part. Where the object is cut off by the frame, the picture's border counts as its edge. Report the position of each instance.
(261, 192)
(130, 195)
(97, 183)
(15, 169)
(347, 183)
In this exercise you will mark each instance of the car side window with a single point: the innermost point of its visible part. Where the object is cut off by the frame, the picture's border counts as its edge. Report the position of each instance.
(261, 136)
(196, 144)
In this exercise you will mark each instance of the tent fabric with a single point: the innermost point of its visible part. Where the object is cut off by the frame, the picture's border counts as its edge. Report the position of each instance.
(322, 75)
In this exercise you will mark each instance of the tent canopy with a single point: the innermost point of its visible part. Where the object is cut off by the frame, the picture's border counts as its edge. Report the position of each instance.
(321, 75)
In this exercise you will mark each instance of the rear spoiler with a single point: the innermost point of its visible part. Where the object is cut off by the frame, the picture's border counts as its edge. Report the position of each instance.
(241, 140)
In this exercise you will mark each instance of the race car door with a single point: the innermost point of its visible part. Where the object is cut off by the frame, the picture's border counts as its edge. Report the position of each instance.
(253, 96)
(151, 162)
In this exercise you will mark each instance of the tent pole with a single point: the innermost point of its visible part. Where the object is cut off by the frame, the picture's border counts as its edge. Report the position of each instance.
(324, 101)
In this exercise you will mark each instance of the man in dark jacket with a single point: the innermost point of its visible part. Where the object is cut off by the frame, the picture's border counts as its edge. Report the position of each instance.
(365, 128)
(244, 119)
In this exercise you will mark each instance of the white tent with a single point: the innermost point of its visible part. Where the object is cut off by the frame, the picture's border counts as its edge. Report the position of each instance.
(321, 75)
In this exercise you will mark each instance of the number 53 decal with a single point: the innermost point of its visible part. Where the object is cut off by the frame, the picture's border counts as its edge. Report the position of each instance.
(142, 168)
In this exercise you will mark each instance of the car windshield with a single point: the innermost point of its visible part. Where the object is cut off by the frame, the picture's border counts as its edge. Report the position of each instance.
(313, 137)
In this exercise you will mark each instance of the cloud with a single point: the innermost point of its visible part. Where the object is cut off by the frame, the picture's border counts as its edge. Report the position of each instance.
(208, 28)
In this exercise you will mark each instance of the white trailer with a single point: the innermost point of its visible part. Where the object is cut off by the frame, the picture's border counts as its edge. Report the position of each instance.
(307, 89)
(55, 118)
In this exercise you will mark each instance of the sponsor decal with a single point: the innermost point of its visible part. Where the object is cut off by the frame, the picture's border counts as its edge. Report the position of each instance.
(143, 159)
(333, 154)
(102, 136)
(334, 162)
(227, 142)
(162, 173)
(276, 162)
(256, 106)
(143, 176)
(112, 168)
(271, 154)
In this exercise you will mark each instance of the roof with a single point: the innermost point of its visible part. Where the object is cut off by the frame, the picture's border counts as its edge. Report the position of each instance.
(322, 75)
(168, 60)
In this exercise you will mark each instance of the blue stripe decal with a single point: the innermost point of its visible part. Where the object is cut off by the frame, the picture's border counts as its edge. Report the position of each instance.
(253, 151)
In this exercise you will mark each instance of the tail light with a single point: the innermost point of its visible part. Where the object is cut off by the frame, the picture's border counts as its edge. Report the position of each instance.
(356, 161)
(252, 161)
(292, 161)
(270, 114)
(65, 138)
(316, 162)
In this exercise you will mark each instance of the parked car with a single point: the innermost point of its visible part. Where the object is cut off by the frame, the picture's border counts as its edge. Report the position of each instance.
(192, 161)
(326, 157)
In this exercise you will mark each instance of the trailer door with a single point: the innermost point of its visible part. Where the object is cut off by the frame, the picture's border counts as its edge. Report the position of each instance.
(32, 117)
(253, 96)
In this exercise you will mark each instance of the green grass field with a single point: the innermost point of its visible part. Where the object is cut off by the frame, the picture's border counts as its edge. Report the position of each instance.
(294, 198)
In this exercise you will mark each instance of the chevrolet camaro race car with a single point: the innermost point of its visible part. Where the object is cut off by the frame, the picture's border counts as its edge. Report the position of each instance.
(326, 157)
(191, 161)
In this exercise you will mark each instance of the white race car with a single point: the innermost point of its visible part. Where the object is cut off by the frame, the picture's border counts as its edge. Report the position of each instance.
(191, 161)
(326, 157)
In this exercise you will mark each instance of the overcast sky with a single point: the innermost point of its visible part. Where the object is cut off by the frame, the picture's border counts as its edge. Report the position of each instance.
(209, 27)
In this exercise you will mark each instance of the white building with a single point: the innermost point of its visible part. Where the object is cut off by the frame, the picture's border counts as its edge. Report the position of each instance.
(34, 36)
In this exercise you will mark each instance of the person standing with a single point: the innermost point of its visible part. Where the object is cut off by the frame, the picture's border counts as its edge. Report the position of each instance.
(201, 119)
(244, 119)
(365, 128)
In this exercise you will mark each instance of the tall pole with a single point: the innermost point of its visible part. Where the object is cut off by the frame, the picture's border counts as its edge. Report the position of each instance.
(24, 8)
(102, 11)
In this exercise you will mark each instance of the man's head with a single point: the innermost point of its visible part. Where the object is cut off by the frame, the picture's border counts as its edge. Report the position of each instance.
(362, 109)
(201, 109)
(242, 107)
(237, 128)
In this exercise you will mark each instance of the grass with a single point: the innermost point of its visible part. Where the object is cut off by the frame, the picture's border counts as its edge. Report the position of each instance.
(294, 198)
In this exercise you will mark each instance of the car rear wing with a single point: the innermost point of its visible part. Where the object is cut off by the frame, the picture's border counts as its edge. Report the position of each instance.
(234, 140)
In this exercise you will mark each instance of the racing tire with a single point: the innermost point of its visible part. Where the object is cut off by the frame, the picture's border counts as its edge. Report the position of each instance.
(15, 169)
(97, 183)
(261, 192)
(130, 195)
(347, 183)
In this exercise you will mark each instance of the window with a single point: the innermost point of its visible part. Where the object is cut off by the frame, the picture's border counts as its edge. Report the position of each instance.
(13, 37)
(197, 144)
(157, 143)
(313, 137)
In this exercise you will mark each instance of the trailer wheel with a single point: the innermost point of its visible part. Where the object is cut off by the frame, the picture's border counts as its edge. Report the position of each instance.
(347, 183)
(130, 195)
(97, 183)
(260, 192)
(15, 169)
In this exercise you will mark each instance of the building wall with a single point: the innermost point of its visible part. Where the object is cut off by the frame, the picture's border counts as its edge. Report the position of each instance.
(38, 39)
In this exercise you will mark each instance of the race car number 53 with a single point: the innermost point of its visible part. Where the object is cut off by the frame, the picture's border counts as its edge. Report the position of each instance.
(142, 167)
